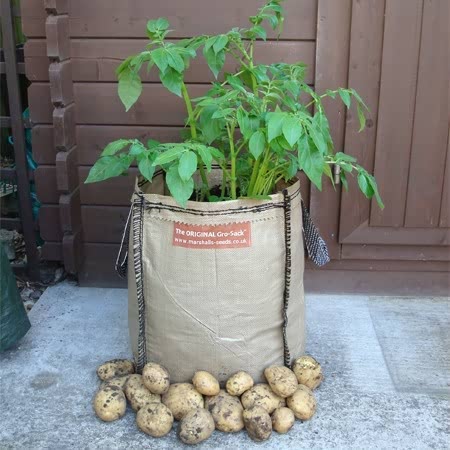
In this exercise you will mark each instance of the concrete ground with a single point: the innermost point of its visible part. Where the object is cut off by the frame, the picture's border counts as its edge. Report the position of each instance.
(386, 362)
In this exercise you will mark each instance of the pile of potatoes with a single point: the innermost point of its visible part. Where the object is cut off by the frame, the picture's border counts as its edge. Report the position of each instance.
(203, 406)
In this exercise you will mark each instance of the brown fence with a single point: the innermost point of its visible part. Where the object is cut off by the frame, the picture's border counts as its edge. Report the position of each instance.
(395, 52)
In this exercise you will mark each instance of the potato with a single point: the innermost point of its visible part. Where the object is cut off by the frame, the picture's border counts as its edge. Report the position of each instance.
(226, 411)
(302, 403)
(154, 419)
(137, 394)
(205, 383)
(110, 403)
(115, 381)
(238, 383)
(262, 395)
(308, 371)
(115, 368)
(281, 380)
(282, 420)
(156, 378)
(257, 423)
(196, 426)
(181, 398)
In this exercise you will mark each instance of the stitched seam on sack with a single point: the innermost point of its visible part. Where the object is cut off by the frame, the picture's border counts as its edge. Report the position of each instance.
(251, 220)
(240, 210)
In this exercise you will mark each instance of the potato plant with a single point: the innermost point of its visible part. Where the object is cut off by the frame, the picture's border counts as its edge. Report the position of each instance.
(259, 125)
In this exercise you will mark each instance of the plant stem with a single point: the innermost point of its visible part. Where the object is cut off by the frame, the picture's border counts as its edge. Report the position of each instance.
(187, 101)
(254, 176)
(261, 174)
(230, 131)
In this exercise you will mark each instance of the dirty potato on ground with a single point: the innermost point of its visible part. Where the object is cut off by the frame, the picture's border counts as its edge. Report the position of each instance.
(196, 426)
(116, 381)
(182, 398)
(115, 368)
(308, 371)
(154, 419)
(283, 420)
(262, 395)
(302, 403)
(205, 383)
(226, 411)
(156, 378)
(239, 382)
(137, 394)
(110, 403)
(257, 423)
(281, 380)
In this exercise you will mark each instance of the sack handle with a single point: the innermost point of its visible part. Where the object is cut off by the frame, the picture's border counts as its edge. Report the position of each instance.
(122, 256)
(316, 248)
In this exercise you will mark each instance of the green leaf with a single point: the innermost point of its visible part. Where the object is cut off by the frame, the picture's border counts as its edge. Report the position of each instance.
(220, 43)
(211, 128)
(159, 56)
(113, 147)
(327, 171)
(146, 167)
(222, 113)
(292, 87)
(310, 161)
(169, 155)
(344, 157)
(209, 43)
(345, 96)
(260, 32)
(257, 143)
(273, 20)
(187, 165)
(292, 130)
(343, 177)
(181, 190)
(361, 117)
(136, 149)
(160, 24)
(152, 143)
(359, 99)
(215, 60)
(374, 187)
(124, 65)
(174, 60)
(318, 139)
(172, 80)
(364, 184)
(274, 122)
(205, 155)
(108, 167)
(217, 154)
(130, 88)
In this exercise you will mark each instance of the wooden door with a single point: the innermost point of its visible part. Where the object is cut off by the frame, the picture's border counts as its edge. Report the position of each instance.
(399, 63)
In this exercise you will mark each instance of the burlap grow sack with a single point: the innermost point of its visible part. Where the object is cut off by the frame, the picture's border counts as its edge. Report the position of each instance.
(215, 286)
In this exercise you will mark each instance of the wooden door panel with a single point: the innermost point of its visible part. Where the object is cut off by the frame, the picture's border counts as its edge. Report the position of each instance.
(399, 64)
(396, 108)
(429, 141)
(364, 74)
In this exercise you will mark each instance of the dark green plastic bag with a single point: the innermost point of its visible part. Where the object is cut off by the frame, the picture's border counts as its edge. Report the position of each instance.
(14, 322)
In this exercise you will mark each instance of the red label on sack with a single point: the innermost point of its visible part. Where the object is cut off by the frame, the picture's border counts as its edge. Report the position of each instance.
(235, 235)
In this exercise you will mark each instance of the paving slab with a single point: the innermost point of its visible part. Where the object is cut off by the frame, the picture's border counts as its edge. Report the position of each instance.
(369, 348)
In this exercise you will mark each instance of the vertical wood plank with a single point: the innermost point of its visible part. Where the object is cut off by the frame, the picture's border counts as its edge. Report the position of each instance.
(396, 108)
(429, 144)
(366, 43)
(445, 201)
(332, 50)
